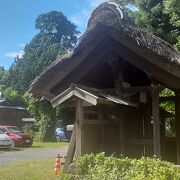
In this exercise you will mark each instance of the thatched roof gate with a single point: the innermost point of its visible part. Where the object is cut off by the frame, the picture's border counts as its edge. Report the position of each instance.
(117, 69)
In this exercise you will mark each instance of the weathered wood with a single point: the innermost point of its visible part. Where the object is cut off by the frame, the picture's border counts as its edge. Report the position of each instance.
(163, 136)
(100, 118)
(118, 83)
(177, 124)
(145, 141)
(98, 122)
(79, 127)
(121, 133)
(156, 122)
(138, 89)
(71, 150)
(124, 49)
(74, 91)
(91, 60)
(88, 111)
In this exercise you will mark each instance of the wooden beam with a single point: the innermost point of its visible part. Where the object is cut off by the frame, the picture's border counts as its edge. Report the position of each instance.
(86, 63)
(74, 91)
(88, 111)
(138, 89)
(156, 122)
(145, 141)
(177, 124)
(79, 127)
(131, 53)
(98, 122)
(71, 150)
(121, 132)
(100, 118)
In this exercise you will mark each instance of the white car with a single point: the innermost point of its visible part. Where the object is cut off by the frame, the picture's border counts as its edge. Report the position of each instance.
(5, 140)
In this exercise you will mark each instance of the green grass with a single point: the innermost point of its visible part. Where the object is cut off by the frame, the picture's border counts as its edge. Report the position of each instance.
(36, 145)
(29, 170)
(48, 144)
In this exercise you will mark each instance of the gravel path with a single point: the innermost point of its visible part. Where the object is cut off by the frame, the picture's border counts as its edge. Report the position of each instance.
(10, 157)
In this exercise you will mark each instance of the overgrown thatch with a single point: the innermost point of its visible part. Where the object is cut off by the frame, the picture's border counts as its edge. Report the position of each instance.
(108, 21)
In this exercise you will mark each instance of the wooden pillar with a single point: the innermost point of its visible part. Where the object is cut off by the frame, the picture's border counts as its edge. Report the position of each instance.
(121, 131)
(118, 83)
(156, 122)
(100, 118)
(79, 127)
(163, 137)
(71, 151)
(177, 124)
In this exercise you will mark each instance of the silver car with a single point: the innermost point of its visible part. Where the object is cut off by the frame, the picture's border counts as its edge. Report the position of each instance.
(5, 140)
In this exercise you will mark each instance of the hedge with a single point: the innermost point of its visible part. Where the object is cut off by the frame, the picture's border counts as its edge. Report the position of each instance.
(99, 167)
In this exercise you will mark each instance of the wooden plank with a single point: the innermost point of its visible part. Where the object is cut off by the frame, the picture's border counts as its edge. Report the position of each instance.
(88, 111)
(74, 91)
(98, 122)
(121, 133)
(87, 63)
(62, 97)
(156, 122)
(71, 151)
(138, 89)
(118, 83)
(140, 141)
(125, 49)
(79, 127)
(86, 96)
(100, 118)
(177, 124)
(163, 136)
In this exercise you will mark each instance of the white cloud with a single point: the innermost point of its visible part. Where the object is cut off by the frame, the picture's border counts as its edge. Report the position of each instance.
(14, 54)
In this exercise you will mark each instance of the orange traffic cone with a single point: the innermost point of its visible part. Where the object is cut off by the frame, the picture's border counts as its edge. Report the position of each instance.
(57, 166)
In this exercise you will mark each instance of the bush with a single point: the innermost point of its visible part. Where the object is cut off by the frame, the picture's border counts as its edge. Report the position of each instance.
(99, 167)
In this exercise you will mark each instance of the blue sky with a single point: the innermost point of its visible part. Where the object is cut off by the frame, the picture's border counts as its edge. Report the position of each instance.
(17, 19)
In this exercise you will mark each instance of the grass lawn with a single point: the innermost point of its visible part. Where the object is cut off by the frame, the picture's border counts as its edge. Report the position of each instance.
(48, 144)
(38, 145)
(29, 170)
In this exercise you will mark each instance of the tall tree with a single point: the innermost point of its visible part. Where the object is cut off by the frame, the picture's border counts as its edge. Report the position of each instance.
(56, 35)
(162, 17)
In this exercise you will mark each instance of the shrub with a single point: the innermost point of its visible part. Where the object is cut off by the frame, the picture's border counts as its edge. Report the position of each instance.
(99, 167)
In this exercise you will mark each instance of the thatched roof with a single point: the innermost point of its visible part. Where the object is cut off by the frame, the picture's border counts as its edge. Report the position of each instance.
(107, 27)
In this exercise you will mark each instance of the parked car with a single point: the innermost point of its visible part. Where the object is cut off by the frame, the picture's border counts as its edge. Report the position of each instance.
(62, 134)
(17, 135)
(5, 140)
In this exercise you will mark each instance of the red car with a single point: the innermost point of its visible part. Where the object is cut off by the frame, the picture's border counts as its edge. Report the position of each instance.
(20, 138)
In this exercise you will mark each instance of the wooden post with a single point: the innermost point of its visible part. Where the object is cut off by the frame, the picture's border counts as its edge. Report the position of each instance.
(121, 131)
(71, 150)
(100, 118)
(118, 83)
(177, 124)
(163, 137)
(79, 127)
(156, 122)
